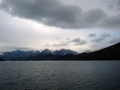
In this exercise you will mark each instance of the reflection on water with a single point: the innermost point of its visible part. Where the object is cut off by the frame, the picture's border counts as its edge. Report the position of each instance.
(60, 75)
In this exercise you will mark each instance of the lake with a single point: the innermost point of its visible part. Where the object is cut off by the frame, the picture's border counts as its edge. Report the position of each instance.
(60, 75)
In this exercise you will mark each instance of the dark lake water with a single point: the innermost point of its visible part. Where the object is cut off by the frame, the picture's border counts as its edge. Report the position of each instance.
(60, 75)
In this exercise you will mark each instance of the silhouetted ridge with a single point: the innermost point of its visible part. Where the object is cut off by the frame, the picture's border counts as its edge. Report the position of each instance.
(109, 53)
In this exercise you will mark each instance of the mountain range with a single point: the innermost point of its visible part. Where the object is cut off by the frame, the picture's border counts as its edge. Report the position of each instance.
(36, 55)
(110, 53)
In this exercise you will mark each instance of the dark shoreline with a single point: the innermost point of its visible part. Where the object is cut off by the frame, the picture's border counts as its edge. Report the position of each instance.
(62, 60)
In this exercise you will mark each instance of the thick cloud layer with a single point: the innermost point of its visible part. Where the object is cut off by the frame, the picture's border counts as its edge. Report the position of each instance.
(55, 13)
(114, 4)
(49, 12)
(111, 22)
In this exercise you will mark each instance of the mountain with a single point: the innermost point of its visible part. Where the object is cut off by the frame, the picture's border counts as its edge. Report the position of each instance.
(64, 52)
(2, 59)
(36, 55)
(109, 53)
(58, 52)
(18, 55)
(46, 51)
(55, 55)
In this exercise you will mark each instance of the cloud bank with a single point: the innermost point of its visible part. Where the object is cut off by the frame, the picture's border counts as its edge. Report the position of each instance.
(57, 14)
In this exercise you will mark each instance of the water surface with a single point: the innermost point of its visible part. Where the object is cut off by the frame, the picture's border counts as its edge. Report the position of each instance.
(60, 75)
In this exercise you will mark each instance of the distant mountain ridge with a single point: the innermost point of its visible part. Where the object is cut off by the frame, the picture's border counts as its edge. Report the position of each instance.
(18, 55)
(109, 53)
(55, 55)
(26, 55)
(63, 52)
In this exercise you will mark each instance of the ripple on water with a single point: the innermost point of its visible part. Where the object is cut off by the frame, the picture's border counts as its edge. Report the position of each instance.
(60, 75)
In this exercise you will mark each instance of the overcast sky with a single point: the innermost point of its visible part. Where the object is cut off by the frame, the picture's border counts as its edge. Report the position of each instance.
(78, 25)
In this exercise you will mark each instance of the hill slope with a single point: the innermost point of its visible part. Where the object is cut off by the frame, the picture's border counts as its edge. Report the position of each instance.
(109, 53)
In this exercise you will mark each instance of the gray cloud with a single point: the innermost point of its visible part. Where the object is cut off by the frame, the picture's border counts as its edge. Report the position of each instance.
(114, 40)
(110, 6)
(83, 42)
(94, 15)
(68, 38)
(57, 38)
(92, 35)
(118, 4)
(110, 3)
(11, 48)
(55, 13)
(78, 41)
(49, 12)
(99, 39)
(102, 37)
(113, 4)
(111, 22)
(60, 44)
